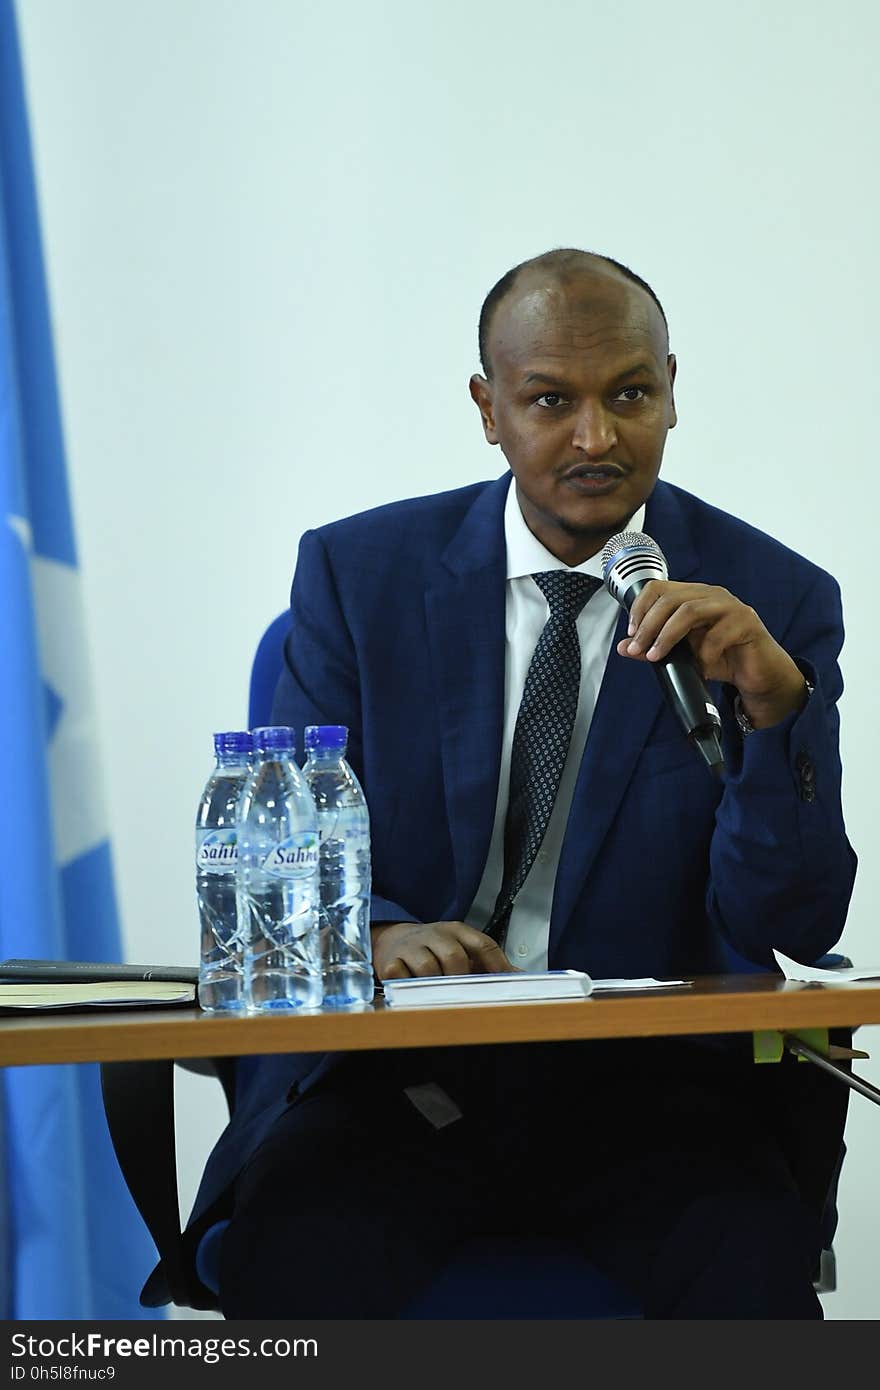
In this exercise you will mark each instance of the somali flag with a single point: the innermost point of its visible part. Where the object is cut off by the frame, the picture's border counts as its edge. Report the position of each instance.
(71, 1242)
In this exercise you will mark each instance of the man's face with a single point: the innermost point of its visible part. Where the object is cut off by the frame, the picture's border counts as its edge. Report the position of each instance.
(580, 402)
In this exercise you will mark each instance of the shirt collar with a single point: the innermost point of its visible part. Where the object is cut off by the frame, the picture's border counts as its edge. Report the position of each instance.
(525, 553)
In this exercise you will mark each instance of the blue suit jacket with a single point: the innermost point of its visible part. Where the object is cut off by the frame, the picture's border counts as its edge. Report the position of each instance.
(398, 632)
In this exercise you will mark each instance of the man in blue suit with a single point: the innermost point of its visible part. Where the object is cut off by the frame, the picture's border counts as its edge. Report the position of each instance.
(462, 638)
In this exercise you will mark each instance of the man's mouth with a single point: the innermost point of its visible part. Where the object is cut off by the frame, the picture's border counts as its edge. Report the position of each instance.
(602, 471)
(593, 478)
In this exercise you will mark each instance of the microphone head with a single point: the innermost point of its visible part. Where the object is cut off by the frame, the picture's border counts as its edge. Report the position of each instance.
(631, 558)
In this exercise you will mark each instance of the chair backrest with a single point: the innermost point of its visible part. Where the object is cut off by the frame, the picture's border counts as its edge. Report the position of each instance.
(266, 669)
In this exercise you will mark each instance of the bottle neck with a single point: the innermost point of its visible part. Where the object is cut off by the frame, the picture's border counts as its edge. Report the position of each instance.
(326, 756)
(278, 757)
(233, 761)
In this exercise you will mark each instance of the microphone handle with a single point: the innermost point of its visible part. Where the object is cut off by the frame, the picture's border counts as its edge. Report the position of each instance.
(686, 690)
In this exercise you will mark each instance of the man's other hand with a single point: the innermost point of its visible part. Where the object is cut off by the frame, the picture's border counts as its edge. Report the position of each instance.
(403, 949)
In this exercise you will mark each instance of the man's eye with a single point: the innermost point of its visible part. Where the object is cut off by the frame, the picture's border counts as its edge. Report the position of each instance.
(632, 394)
(549, 400)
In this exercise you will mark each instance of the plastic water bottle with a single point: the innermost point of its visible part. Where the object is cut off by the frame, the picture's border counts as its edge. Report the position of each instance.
(278, 879)
(221, 974)
(344, 876)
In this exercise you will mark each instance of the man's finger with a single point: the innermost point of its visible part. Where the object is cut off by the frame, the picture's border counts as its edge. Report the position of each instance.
(666, 624)
(421, 960)
(396, 969)
(652, 591)
(486, 955)
(453, 958)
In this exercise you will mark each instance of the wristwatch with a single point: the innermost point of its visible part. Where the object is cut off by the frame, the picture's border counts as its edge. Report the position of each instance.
(746, 726)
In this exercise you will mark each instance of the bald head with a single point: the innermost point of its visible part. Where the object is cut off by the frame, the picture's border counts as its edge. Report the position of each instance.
(544, 284)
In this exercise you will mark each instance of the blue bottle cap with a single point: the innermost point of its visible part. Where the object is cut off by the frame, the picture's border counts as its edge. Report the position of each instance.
(233, 741)
(274, 739)
(325, 737)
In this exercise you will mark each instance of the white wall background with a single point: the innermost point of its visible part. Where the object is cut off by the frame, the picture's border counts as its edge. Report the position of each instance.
(269, 227)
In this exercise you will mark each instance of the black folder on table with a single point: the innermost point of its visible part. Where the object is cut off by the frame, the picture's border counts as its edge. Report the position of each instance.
(54, 984)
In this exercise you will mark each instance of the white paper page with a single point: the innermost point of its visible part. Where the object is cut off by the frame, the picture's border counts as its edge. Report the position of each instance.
(793, 970)
(100, 993)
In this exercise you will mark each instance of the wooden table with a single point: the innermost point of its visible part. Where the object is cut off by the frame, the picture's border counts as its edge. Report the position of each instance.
(712, 1004)
(148, 1041)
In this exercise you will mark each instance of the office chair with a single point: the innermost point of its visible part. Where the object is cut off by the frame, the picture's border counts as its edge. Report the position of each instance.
(488, 1278)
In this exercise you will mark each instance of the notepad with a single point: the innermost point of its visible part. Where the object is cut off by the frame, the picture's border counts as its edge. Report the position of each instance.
(98, 993)
(60, 984)
(517, 987)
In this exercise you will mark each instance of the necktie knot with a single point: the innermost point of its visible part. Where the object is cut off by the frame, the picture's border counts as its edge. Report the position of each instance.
(566, 591)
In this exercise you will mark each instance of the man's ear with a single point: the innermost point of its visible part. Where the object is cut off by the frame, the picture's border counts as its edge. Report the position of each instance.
(671, 367)
(481, 394)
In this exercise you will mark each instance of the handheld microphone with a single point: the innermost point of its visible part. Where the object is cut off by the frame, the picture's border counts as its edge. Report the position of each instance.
(630, 560)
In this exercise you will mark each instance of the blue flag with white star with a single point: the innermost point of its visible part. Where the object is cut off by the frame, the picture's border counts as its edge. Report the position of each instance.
(73, 1246)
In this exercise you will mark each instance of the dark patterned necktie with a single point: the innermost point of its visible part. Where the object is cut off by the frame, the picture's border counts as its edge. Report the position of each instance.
(544, 724)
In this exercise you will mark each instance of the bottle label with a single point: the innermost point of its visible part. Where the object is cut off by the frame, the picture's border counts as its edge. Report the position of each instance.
(217, 851)
(295, 857)
(331, 832)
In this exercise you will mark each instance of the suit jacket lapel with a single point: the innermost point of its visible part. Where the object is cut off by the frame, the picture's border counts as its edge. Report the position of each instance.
(629, 702)
(465, 612)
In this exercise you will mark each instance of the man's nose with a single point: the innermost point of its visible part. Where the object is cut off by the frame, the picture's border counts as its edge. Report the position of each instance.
(594, 431)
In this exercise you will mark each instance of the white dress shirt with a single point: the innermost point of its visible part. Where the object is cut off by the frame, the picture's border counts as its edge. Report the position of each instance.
(526, 612)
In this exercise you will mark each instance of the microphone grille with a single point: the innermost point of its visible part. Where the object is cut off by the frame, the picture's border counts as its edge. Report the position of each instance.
(630, 540)
(631, 557)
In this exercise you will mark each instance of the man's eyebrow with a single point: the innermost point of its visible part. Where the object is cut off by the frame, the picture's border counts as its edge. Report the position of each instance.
(535, 378)
(642, 368)
(638, 369)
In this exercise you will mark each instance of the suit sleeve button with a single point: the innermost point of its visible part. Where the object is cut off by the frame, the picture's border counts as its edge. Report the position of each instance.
(806, 776)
